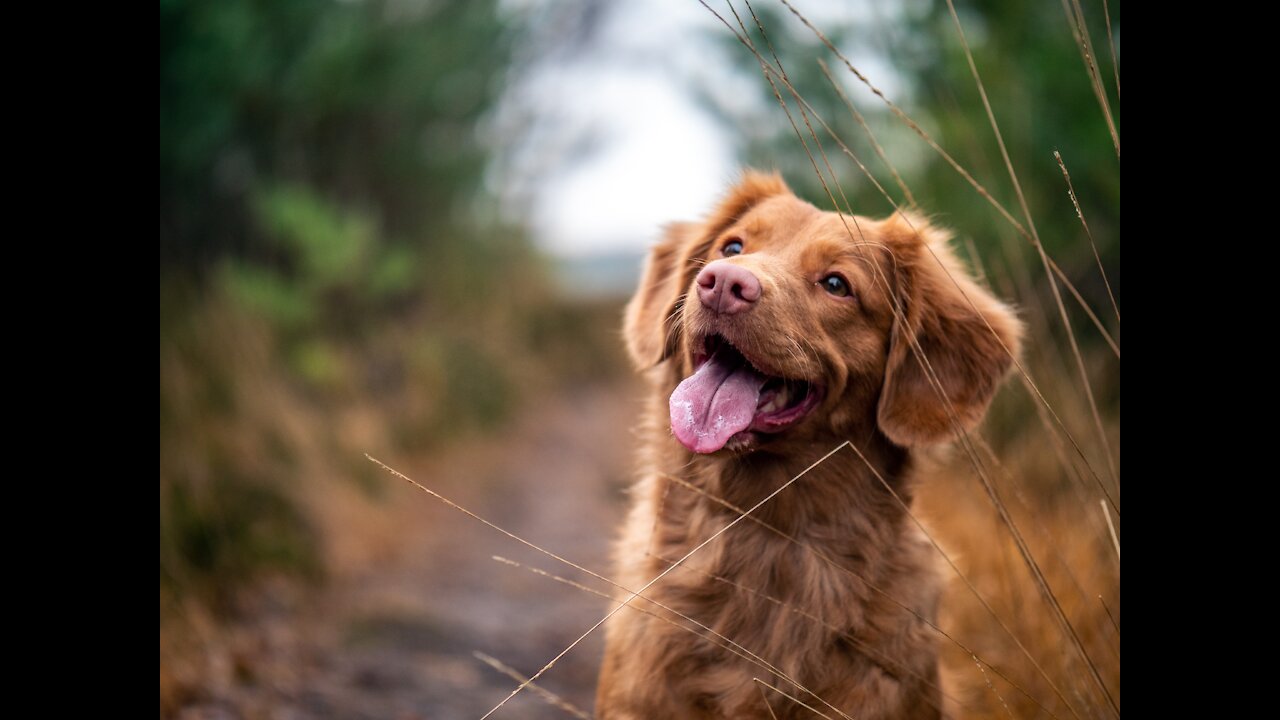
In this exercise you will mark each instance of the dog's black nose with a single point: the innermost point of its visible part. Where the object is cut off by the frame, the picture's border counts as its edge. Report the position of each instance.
(727, 288)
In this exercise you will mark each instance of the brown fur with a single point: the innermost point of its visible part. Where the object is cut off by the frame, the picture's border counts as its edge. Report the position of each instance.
(818, 586)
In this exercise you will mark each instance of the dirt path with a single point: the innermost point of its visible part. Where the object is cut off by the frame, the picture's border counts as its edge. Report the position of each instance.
(395, 638)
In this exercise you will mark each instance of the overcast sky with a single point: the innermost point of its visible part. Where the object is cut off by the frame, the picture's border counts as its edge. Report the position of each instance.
(604, 140)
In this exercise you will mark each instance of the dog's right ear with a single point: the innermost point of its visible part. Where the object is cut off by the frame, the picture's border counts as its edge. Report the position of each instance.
(652, 314)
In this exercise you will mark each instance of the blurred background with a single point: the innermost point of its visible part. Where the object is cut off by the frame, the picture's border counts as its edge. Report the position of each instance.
(407, 228)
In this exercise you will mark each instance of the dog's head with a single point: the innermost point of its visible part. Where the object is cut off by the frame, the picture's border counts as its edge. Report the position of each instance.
(781, 322)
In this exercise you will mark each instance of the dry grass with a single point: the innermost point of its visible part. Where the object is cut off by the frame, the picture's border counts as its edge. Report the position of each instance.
(1037, 567)
(1035, 555)
(1028, 524)
(1069, 539)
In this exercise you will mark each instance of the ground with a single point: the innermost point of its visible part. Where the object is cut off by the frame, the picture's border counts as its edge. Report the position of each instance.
(393, 632)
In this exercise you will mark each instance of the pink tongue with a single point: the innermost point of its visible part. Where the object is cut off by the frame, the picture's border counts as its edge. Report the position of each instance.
(715, 403)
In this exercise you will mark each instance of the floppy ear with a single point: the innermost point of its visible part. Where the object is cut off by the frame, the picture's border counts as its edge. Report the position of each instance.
(967, 336)
(651, 315)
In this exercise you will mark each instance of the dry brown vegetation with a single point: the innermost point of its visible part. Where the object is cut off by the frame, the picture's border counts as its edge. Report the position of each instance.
(367, 597)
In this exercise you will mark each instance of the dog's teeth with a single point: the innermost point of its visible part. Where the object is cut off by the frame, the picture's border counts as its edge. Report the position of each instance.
(778, 401)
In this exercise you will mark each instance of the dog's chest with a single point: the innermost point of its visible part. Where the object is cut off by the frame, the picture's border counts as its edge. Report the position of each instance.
(773, 592)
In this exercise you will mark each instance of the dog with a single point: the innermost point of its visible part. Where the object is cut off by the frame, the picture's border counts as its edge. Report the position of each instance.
(772, 333)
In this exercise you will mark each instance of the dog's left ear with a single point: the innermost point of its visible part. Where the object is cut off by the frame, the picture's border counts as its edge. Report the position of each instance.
(649, 315)
(673, 263)
(968, 337)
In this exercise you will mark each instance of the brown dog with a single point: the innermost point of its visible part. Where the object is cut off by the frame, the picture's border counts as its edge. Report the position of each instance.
(772, 333)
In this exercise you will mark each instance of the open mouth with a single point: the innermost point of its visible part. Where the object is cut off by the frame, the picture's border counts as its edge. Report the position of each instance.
(728, 400)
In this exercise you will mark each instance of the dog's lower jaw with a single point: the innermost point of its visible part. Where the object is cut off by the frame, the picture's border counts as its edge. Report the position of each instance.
(742, 443)
(791, 585)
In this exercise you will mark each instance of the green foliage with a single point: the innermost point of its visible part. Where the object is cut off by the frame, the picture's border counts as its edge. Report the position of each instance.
(331, 248)
(333, 278)
(322, 213)
(215, 538)
(1039, 91)
(370, 104)
(1041, 95)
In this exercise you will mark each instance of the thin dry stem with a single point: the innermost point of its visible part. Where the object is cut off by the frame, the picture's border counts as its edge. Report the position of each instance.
(1071, 191)
(1027, 507)
(1013, 176)
(1102, 330)
(1111, 46)
(972, 588)
(1026, 211)
(906, 191)
(1080, 29)
(915, 127)
(874, 655)
(859, 577)
(769, 73)
(792, 698)
(930, 373)
(767, 706)
(1046, 591)
(975, 259)
(1110, 617)
(551, 698)
(634, 594)
(712, 636)
(1110, 526)
(993, 689)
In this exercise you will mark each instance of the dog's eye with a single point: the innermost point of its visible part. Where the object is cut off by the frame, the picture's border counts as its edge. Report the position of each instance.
(836, 285)
(731, 248)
